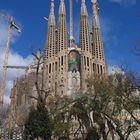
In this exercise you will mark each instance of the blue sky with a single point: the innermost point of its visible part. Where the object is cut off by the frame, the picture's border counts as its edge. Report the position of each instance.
(119, 21)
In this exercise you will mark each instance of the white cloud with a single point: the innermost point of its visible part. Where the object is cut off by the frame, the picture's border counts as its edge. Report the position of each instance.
(125, 2)
(115, 69)
(4, 26)
(14, 59)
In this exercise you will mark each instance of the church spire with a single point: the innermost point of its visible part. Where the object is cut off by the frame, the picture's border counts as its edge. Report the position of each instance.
(62, 10)
(95, 8)
(84, 28)
(62, 28)
(85, 45)
(51, 35)
(97, 48)
(97, 39)
(84, 8)
(51, 16)
(52, 6)
(62, 47)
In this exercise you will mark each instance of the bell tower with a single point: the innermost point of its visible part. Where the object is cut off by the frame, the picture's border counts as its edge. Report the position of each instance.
(98, 62)
(50, 63)
(85, 46)
(62, 48)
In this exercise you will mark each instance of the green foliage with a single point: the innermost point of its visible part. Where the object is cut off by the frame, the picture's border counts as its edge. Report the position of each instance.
(61, 129)
(10, 133)
(38, 124)
(61, 120)
(105, 101)
(102, 110)
(92, 135)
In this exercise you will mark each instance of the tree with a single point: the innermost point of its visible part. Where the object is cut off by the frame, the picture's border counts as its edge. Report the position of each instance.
(38, 124)
(107, 110)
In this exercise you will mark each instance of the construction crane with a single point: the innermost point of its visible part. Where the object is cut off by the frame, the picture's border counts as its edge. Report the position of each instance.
(71, 25)
(22, 67)
(12, 26)
(17, 67)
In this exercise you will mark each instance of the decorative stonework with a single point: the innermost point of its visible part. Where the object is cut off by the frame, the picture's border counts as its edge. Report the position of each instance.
(65, 69)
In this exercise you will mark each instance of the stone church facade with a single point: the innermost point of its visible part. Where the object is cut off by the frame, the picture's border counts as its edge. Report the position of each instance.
(66, 66)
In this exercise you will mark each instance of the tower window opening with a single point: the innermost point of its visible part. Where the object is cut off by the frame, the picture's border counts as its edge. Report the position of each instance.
(88, 61)
(59, 61)
(101, 69)
(49, 68)
(62, 60)
(84, 60)
(98, 68)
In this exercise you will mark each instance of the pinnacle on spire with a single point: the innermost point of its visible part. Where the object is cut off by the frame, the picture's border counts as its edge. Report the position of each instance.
(84, 8)
(52, 16)
(94, 1)
(95, 8)
(62, 10)
(52, 6)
